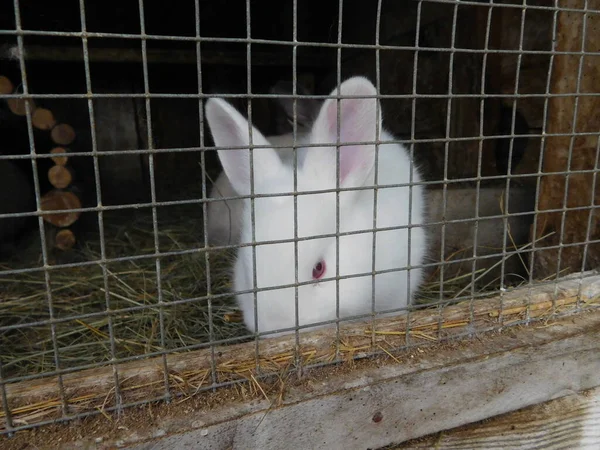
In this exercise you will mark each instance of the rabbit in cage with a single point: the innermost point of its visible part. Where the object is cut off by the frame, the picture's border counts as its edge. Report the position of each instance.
(224, 217)
(316, 216)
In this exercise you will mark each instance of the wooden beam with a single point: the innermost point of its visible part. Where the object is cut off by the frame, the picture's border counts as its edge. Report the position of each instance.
(177, 56)
(415, 391)
(569, 114)
(375, 407)
(568, 422)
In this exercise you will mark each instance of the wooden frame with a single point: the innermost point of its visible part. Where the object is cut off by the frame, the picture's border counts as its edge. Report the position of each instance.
(572, 421)
(400, 395)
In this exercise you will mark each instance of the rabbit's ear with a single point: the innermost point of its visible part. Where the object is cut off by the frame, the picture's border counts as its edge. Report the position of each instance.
(358, 123)
(230, 129)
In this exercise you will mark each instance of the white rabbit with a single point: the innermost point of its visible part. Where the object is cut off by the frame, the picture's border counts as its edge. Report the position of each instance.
(316, 216)
(225, 217)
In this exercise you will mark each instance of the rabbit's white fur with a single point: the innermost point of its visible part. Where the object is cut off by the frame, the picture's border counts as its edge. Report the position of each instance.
(316, 215)
(224, 219)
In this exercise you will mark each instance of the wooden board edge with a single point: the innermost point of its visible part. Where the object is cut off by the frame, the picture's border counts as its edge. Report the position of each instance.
(93, 390)
(572, 421)
(391, 403)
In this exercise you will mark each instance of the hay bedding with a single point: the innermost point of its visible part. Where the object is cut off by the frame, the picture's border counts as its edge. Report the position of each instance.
(133, 295)
(131, 284)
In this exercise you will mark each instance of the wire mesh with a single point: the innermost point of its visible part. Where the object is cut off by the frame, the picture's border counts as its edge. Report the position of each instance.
(151, 320)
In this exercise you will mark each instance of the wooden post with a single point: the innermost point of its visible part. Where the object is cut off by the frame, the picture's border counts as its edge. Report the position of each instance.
(564, 118)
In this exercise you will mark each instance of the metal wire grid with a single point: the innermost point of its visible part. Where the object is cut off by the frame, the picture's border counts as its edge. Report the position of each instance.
(59, 370)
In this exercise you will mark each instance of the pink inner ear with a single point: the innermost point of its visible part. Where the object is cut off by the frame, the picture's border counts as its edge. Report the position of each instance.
(353, 129)
(350, 160)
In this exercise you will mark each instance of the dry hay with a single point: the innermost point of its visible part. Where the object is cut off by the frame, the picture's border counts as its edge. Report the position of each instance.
(132, 287)
(133, 295)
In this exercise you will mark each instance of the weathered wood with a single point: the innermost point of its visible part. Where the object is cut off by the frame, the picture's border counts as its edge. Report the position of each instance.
(376, 405)
(64, 239)
(568, 114)
(6, 86)
(372, 408)
(17, 106)
(57, 201)
(62, 134)
(43, 119)
(61, 158)
(60, 176)
(142, 379)
(568, 422)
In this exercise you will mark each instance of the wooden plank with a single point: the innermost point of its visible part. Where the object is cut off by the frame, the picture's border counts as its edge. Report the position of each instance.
(569, 422)
(415, 391)
(312, 58)
(569, 114)
(377, 406)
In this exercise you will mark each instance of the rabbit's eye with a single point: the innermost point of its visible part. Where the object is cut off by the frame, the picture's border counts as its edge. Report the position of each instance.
(318, 270)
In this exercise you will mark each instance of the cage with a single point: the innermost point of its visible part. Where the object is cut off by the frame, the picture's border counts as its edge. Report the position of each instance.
(407, 188)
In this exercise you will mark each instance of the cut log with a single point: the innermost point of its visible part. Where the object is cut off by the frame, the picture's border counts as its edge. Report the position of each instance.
(43, 119)
(62, 134)
(61, 239)
(64, 239)
(59, 159)
(17, 105)
(6, 86)
(60, 176)
(57, 201)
